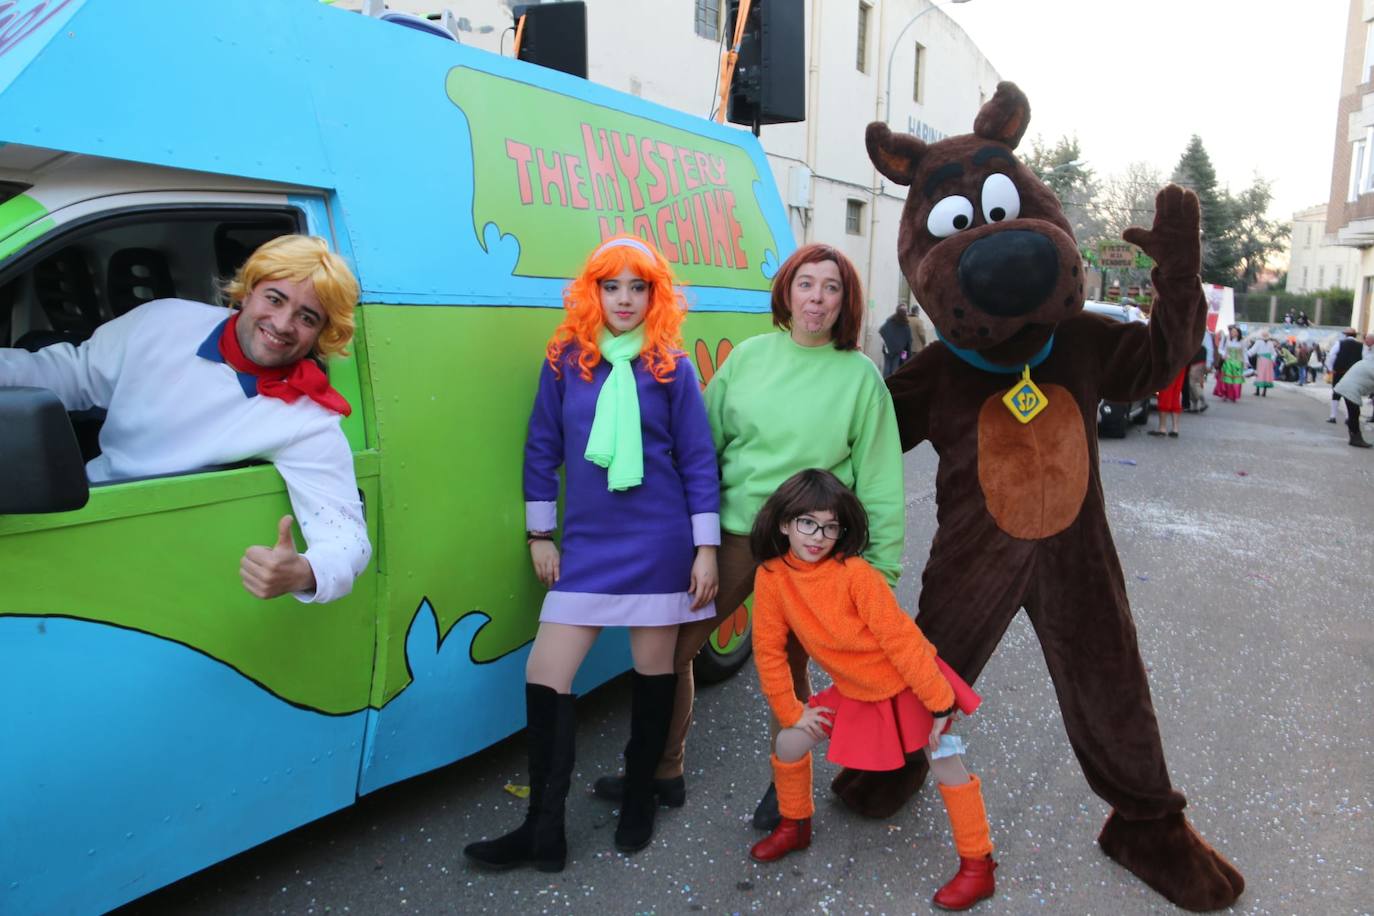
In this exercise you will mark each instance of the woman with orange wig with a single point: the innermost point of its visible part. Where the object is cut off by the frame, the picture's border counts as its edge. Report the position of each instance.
(620, 410)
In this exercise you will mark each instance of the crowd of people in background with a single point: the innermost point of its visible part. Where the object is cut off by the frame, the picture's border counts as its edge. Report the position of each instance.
(1263, 359)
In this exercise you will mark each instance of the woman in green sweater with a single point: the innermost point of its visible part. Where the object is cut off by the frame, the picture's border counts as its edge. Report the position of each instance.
(802, 397)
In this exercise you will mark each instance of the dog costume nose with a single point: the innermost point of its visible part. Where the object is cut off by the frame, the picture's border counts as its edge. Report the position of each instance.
(1009, 273)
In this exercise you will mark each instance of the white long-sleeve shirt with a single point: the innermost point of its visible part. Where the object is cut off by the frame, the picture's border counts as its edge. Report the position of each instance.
(174, 407)
(1331, 356)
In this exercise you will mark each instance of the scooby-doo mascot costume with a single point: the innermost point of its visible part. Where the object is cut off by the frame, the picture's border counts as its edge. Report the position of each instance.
(1009, 398)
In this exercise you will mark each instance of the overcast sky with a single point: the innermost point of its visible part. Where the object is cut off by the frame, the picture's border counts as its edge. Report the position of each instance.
(1258, 80)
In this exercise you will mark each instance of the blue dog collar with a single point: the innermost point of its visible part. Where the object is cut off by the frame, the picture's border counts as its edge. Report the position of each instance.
(978, 361)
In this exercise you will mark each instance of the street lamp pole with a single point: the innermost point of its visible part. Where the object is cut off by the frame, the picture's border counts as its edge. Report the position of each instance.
(887, 96)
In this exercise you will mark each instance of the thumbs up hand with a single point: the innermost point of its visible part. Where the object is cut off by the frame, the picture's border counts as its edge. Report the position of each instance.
(271, 571)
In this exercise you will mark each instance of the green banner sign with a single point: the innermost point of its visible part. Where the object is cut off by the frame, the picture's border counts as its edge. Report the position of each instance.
(561, 174)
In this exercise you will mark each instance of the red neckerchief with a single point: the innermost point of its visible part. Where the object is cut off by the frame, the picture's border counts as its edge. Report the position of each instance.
(286, 383)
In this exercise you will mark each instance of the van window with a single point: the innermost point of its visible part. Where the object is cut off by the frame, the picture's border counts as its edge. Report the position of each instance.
(71, 282)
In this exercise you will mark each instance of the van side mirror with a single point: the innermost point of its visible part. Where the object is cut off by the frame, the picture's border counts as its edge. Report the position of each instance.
(40, 462)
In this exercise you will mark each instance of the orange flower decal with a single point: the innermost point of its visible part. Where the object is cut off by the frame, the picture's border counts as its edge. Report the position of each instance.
(707, 367)
(734, 625)
(737, 624)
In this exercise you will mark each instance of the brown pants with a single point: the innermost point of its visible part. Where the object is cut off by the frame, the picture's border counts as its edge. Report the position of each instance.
(735, 563)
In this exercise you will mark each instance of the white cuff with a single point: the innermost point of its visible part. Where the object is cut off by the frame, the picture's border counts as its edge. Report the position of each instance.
(541, 516)
(706, 529)
(312, 596)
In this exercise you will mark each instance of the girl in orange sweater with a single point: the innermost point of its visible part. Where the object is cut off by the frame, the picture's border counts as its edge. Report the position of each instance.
(891, 696)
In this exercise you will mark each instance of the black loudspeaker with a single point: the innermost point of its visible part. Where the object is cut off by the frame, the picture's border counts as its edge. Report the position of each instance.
(555, 36)
(770, 75)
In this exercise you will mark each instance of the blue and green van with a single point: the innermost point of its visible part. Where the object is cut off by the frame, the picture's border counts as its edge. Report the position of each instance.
(157, 718)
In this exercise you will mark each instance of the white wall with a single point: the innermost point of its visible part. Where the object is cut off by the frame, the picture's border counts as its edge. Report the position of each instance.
(651, 49)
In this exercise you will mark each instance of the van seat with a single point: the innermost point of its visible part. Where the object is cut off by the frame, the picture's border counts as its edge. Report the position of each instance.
(135, 276)
(65, 288)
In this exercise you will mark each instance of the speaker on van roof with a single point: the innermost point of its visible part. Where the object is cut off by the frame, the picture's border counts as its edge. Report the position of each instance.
(554, 36)
(770, 75)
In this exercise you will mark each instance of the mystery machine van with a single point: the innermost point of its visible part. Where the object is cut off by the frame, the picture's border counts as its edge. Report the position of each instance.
(156, 717)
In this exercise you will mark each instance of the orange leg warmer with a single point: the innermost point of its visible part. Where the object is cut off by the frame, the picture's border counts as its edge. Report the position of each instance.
(967, 818)
(794, 788)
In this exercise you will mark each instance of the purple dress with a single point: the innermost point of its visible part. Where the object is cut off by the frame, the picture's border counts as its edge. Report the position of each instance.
(627, 555)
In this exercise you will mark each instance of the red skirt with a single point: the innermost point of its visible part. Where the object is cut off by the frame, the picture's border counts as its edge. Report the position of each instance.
(878, 735)
(1171, 398)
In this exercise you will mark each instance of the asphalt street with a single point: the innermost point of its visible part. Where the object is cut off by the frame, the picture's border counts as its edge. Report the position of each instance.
(1247, 550)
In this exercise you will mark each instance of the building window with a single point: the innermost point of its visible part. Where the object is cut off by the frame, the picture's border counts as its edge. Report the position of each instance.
(862, 59)
(1356, 168)
(854, 217)
(1309, 236)
(1321, 278)
(1367, 174)
(1368, 51)
(918, 83)
(903, 290)
(708, 19)
(1337, 284)
(1304, 279)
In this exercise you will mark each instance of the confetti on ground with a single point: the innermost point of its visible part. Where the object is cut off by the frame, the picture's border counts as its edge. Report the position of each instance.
(518, 791)
(1129, 462)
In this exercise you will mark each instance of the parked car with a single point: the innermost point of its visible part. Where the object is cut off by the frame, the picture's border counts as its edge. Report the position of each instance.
(1114, 417)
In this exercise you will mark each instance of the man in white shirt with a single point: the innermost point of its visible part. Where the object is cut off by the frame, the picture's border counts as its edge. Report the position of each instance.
(188, 385)
(1345, 352)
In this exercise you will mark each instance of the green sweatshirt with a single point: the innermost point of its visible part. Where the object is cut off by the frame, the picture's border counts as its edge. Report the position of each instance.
(777, 408)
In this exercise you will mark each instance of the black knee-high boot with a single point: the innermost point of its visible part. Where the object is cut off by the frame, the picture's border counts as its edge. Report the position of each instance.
(540, 840)
(651, 708)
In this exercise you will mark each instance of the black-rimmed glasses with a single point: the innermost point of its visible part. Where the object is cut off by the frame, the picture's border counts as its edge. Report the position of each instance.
(807, 525)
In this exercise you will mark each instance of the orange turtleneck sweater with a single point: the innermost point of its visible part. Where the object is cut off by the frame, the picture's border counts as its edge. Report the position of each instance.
(848, 620)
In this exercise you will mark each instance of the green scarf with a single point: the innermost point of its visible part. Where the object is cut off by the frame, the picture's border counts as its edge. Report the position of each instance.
(616, 442)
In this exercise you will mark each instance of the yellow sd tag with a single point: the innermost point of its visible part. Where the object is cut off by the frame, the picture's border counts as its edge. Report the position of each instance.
(1024, 400)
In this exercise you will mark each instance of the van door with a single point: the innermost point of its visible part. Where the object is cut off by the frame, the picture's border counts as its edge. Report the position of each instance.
(160, 718)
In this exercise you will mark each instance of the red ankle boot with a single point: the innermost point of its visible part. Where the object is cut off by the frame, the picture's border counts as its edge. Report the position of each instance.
(788, 836)
(972, 883)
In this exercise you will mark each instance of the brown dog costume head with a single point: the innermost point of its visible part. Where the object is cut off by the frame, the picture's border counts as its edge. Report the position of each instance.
(983, 242)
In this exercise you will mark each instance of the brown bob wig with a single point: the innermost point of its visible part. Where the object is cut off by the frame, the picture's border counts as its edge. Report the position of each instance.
(812, 490)
(846, 331)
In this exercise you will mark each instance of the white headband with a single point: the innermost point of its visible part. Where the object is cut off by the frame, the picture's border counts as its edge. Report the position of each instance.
(626, 243)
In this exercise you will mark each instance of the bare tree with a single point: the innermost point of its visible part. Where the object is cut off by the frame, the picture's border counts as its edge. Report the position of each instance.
(1128, 199)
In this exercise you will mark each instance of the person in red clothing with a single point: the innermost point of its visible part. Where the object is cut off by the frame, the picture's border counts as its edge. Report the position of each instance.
(1170, 405)
(891, 696)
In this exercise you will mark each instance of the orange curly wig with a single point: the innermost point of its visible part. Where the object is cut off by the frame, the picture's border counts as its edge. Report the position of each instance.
(585, 317)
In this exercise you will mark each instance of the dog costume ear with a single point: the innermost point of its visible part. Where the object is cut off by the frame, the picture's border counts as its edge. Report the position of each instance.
(1005, 116)
(895, 156)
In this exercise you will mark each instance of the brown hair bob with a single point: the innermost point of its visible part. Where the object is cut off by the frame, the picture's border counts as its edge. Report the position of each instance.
(845, 334)
(812, 490)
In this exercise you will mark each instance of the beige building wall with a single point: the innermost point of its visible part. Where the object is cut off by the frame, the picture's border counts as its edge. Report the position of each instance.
(652, 49)
(1350, 209)
(1315, 260)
